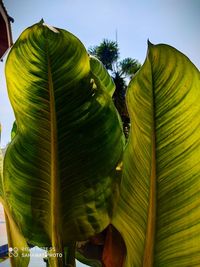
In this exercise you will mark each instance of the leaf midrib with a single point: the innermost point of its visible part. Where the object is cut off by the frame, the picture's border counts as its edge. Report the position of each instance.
(151, 220)
(148, 259)
(54, 180)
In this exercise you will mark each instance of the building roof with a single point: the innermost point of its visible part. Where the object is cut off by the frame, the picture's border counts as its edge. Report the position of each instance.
(5, 30)
(3, 6)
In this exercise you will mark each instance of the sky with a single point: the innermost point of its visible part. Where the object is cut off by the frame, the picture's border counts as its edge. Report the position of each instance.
(174, 22)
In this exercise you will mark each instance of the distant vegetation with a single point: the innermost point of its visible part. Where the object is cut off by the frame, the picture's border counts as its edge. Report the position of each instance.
(121, 71)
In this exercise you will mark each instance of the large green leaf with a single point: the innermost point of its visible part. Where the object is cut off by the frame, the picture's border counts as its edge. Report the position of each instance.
(159, 209)
(15, 238)
(101, 75)
(14, 130)
(59, 170)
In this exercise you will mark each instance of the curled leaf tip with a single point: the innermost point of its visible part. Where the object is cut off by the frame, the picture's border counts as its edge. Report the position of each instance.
(149, 43)
(41, 21)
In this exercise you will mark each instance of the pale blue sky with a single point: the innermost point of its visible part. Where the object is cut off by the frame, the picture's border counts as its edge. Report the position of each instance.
(175, 22)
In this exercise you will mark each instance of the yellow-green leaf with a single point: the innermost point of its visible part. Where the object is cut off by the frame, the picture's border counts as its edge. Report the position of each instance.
(101, 75)
(59, 171)
(16, 241)
(159, 209)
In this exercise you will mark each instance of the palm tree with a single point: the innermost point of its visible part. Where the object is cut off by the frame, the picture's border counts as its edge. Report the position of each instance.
(107, 52)
(121, 71)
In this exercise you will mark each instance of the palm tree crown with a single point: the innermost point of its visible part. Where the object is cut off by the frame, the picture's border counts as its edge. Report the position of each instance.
(121, 71)
(107, 52)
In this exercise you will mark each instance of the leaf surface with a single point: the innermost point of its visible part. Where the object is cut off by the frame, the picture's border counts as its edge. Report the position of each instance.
(60, 167)
(15, 238)
(158, 213)
(101, 75)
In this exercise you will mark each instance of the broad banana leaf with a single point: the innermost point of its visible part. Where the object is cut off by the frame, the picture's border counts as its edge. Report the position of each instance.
(60, 169)
(101, 75)
(14, 130)
(158, 214)
(15, 238)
